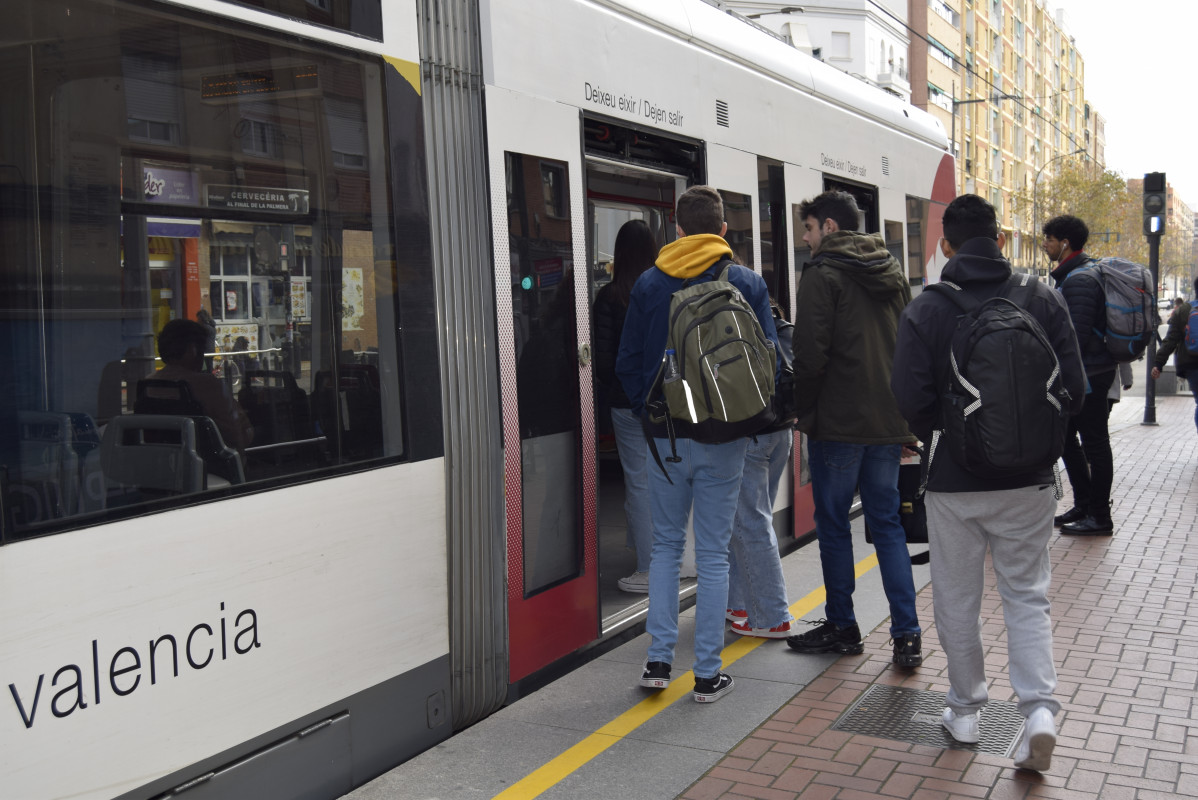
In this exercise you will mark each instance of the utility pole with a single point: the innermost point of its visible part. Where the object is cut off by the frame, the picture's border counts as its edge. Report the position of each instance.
(1155, 201)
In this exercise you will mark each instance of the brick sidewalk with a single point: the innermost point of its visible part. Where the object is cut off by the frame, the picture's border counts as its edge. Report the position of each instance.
(1124, 611)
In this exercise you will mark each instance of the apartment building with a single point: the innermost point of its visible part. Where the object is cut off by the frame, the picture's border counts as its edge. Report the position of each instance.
(1011, 80)
(1004, 76)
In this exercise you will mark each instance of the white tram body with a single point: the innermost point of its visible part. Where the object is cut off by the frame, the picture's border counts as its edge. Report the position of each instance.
(398, 214)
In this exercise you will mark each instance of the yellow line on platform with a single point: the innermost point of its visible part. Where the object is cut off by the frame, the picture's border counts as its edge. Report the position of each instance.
(546, 777)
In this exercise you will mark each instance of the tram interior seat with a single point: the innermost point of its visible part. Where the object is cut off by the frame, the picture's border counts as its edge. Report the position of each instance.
(357, 420)
(145, 456)
(55, 466)
(276, 405)
(159, 397)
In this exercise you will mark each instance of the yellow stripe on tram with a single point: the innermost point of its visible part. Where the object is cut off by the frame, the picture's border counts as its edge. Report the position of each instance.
(541, 780)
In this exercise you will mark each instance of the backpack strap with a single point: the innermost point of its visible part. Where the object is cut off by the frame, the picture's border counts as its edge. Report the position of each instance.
(716, 272)
(955, 293)
(1020, 285)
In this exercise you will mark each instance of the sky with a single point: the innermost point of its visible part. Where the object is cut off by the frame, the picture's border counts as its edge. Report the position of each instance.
(1140, 68)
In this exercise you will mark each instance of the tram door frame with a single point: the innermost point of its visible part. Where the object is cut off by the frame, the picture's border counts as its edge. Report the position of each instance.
(607, 189)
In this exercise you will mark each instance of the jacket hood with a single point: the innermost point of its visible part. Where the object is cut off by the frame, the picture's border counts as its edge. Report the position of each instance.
(692, 255)
(863, 257)
(978, 261)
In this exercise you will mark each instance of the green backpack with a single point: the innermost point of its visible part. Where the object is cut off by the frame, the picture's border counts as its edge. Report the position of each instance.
(717, 374)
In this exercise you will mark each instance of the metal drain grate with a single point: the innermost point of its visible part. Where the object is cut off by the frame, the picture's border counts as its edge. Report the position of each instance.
(910, 715)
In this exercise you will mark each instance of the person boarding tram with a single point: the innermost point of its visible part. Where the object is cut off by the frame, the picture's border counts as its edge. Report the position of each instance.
(705, 477)
(634, 252)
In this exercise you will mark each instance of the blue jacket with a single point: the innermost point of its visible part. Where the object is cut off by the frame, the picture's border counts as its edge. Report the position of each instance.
(646, 325)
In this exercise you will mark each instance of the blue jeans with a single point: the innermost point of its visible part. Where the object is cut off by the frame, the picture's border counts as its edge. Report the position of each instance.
(708, 476)
(634, 458)
(755, 581)
(837, 469)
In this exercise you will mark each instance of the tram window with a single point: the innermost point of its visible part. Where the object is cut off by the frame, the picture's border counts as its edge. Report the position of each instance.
(131, 201)
(893, 231)
(918, 211)
(363, 17)
(606, 223)
(546, 347)
(771, 197)
(802, 253)
(738, 213)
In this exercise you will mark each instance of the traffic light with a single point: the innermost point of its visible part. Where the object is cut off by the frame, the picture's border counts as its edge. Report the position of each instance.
(1154, 204)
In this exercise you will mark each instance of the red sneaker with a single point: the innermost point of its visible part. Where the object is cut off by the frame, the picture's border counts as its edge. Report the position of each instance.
(736, 615)
(776, 632)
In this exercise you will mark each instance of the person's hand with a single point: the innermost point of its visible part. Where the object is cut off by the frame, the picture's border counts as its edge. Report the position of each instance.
(1156, 373)
(909, 451)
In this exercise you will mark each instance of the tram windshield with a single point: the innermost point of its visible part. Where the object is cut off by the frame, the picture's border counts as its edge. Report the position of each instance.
(198, 280)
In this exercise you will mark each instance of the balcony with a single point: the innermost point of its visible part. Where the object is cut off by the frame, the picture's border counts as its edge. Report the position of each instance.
(895, 80)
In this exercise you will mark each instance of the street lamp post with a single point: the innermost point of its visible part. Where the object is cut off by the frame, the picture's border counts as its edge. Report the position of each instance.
(1036, 195)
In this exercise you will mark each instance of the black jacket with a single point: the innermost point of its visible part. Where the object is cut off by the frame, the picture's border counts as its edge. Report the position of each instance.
(608, 313)
(1087, 308)
(1174, 342)
(921, 361)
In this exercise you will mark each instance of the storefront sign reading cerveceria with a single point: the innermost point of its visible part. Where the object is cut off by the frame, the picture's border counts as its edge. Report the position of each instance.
(254, 198)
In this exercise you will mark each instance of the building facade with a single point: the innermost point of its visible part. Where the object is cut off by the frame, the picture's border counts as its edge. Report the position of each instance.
(1004, 77)
(868, 39)
(1015, 85)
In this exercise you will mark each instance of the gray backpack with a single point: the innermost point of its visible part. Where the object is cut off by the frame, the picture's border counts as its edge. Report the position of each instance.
(1131, 316)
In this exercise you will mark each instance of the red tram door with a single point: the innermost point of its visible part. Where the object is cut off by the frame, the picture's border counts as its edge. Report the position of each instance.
(548, 423)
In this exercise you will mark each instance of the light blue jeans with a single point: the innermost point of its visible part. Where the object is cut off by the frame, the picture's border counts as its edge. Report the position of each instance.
(708, 476)
(755, 581)
(634, 458)
(837, 470)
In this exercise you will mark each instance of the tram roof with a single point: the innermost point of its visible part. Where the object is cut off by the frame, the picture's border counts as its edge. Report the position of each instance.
(707, 26)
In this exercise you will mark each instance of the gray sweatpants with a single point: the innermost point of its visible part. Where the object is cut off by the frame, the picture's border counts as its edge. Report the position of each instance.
(1016, 525)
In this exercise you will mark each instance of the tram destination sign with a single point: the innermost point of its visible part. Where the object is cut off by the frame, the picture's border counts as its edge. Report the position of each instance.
(255, 198)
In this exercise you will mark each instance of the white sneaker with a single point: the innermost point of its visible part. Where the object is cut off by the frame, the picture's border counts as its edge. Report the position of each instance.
(637, 582)
(962, 727)
(1039, 738)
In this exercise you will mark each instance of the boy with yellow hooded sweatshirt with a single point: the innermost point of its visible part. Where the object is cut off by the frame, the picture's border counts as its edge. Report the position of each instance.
(706, 475)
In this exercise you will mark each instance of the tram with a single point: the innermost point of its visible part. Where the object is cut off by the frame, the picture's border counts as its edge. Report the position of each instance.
(390, 218)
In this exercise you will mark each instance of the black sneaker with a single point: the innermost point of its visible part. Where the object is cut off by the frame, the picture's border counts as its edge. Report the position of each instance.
(708, 690)
(828, 638)
(908, 650)
(1072, 515)
(656, 675)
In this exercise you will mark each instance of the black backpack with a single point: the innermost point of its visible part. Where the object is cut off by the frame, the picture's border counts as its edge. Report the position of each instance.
(1005, 409)
(786, 411)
